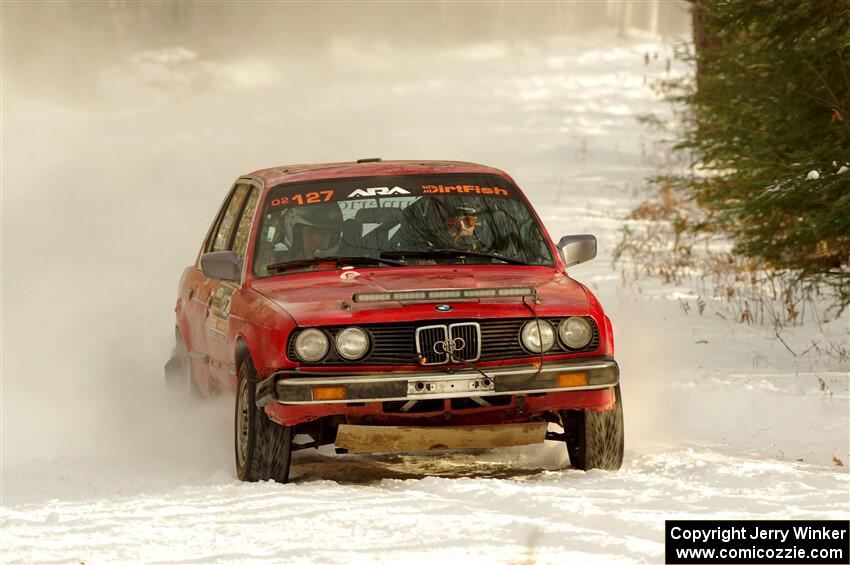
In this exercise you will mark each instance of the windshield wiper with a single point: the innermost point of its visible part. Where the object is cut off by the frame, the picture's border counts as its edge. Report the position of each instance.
(449, 253)
(294, 264)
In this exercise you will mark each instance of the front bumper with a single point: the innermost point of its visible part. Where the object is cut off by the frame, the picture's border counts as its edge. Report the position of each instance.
(302, 388)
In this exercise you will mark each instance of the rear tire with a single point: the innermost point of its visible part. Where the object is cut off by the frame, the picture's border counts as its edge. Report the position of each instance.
(263, 447)
(595, 439)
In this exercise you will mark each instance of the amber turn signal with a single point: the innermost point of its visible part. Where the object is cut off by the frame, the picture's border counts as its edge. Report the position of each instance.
(329, 393)
(571, 379)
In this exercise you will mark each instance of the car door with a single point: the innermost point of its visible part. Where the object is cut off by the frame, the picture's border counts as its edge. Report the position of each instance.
(221, 292)
(201, 288)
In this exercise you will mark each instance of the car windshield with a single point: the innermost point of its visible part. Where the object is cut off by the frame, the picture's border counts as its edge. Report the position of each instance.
(389, 221)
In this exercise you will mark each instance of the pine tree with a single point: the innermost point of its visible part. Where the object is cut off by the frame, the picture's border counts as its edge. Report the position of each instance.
(768, 130)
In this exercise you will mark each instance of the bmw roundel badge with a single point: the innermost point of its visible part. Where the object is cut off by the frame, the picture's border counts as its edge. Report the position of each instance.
(443, 308)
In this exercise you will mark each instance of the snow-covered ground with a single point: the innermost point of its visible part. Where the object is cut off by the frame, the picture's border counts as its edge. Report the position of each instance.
(107, 193)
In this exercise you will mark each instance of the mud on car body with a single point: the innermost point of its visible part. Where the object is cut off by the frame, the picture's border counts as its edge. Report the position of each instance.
(395, 306)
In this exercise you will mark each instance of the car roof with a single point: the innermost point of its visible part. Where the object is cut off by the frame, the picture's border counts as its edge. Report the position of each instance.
(366, 168)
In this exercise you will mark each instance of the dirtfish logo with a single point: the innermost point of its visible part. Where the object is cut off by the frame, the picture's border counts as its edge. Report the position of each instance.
(378, 191)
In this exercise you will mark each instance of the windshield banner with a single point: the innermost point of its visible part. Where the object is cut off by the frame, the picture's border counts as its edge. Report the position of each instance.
(336, 190)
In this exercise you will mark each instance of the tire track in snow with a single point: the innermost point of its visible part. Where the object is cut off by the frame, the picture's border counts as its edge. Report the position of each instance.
(550, 514)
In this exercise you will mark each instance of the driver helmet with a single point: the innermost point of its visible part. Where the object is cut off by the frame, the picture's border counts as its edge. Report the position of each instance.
(324, 217)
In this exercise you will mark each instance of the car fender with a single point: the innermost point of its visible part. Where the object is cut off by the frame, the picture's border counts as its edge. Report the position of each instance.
(263, 327)
(596, 311)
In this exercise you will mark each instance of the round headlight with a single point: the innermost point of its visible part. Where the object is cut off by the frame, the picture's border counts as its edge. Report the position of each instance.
(352, 343)
(311, 345)
(575, 332)
(538, 336)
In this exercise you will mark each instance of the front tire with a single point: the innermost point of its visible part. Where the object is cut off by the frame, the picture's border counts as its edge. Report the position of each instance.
(263, 447)
(595, 439)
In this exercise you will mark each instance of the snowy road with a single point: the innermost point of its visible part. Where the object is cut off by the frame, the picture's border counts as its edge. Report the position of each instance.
(507, 507)
(99, 464)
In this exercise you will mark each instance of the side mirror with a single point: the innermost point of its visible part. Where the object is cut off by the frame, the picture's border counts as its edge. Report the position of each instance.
(222, 265)
(577, 249)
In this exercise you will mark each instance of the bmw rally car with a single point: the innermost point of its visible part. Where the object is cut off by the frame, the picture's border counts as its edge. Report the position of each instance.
(395, 306)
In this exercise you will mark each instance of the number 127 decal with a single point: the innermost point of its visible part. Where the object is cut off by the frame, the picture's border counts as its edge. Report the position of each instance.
(306, 198)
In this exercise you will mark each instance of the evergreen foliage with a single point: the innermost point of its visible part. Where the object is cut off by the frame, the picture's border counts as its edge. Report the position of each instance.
(770, 105)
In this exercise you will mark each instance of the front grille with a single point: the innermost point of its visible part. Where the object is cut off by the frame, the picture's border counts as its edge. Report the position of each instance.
(470, 335)
(428, 340)
(436, 345)
(395, 344)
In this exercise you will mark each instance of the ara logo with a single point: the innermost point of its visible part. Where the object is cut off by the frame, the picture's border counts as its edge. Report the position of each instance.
(378, 191)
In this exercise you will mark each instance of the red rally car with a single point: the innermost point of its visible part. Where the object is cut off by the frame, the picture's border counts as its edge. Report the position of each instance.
(390, 306)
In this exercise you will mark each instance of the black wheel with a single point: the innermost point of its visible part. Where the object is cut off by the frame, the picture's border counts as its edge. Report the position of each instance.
(595, 439)
(263, 448)
(178, 370)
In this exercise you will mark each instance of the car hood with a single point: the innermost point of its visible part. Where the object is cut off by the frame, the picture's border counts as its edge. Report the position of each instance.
(325, 297)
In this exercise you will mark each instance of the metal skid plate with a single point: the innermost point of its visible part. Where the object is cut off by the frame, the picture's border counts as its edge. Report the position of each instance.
(396, 439)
